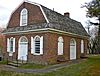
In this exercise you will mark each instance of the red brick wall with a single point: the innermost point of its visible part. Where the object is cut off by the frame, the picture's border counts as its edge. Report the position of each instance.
(34, 15)
(50, 47)
(78, 48)
(2, 41)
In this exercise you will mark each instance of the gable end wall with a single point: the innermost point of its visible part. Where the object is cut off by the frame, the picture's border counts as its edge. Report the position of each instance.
(35, 15)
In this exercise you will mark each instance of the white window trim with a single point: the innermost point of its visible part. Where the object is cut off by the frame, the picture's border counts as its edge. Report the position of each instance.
(14, 46)
(60, 43)
(75, 48)
(21, 38)
(10, 53)
(21, 17)
(8, 46)
(33, 45)
(74, 41)
(41, 45)
(82, 46)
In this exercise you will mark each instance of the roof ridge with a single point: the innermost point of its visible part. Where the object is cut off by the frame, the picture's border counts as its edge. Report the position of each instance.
(41, 5)
(49, 9)
(52, 10)
(31, 2)
(59, 13)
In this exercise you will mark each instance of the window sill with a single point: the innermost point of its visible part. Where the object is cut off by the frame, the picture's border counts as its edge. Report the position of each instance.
(37, 54)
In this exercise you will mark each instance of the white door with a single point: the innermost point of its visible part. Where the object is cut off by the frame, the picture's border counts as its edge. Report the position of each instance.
(22, 53)
(23, 48)
(72, 49)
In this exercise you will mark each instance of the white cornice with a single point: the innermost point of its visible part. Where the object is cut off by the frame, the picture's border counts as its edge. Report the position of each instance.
(44, 30)
(26, 31)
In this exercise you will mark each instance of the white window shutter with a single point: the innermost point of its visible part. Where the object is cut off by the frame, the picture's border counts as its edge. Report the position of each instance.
(32, 46)
(62, 48)
(13, 44)
(58, 48)
(8, 46)
(41, 45)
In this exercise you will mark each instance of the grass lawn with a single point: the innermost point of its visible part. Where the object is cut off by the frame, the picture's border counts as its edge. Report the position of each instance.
(90, 67)
(32, 66)
(3, 62)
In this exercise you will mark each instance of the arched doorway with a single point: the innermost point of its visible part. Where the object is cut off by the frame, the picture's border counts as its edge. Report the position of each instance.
(23, 48)
(72, 49)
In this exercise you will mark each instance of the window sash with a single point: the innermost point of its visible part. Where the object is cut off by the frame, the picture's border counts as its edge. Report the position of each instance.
(82, 46)
(23, 17)
(37, 47)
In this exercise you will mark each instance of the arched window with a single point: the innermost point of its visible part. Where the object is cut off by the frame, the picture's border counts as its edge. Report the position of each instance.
(72, 49)
(23, 39)
(72, 42)
(60, 46)
(37, 45)
(82, 46)
(23, 17)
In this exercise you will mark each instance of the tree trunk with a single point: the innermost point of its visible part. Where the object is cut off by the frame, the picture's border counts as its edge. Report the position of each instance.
(98, 43)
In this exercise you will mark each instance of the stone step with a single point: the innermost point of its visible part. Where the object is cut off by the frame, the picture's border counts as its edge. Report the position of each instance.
(14, 64)
(19, 62)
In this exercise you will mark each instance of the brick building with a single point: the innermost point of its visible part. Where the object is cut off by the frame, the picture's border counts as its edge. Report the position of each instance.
(2, 40)
(38, 34)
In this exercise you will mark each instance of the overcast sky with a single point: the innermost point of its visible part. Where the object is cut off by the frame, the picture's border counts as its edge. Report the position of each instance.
(61, 6)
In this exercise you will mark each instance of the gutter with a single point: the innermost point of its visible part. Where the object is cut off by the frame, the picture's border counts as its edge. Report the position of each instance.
(45, 30)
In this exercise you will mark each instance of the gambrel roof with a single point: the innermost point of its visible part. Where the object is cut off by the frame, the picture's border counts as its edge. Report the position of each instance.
(64, 23)
(55, 21)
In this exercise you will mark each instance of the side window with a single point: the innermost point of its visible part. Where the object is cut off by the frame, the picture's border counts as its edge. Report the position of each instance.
(60, 46)
(23, 17)
(82, 46)
(11, 44)
(37, 45)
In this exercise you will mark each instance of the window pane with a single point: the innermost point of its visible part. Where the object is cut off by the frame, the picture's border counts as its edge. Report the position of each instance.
(24, 17)
(11, 45)
(37, 45)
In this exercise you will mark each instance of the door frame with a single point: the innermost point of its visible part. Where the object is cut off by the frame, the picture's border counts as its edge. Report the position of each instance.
(74, 45)
(19, 44)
